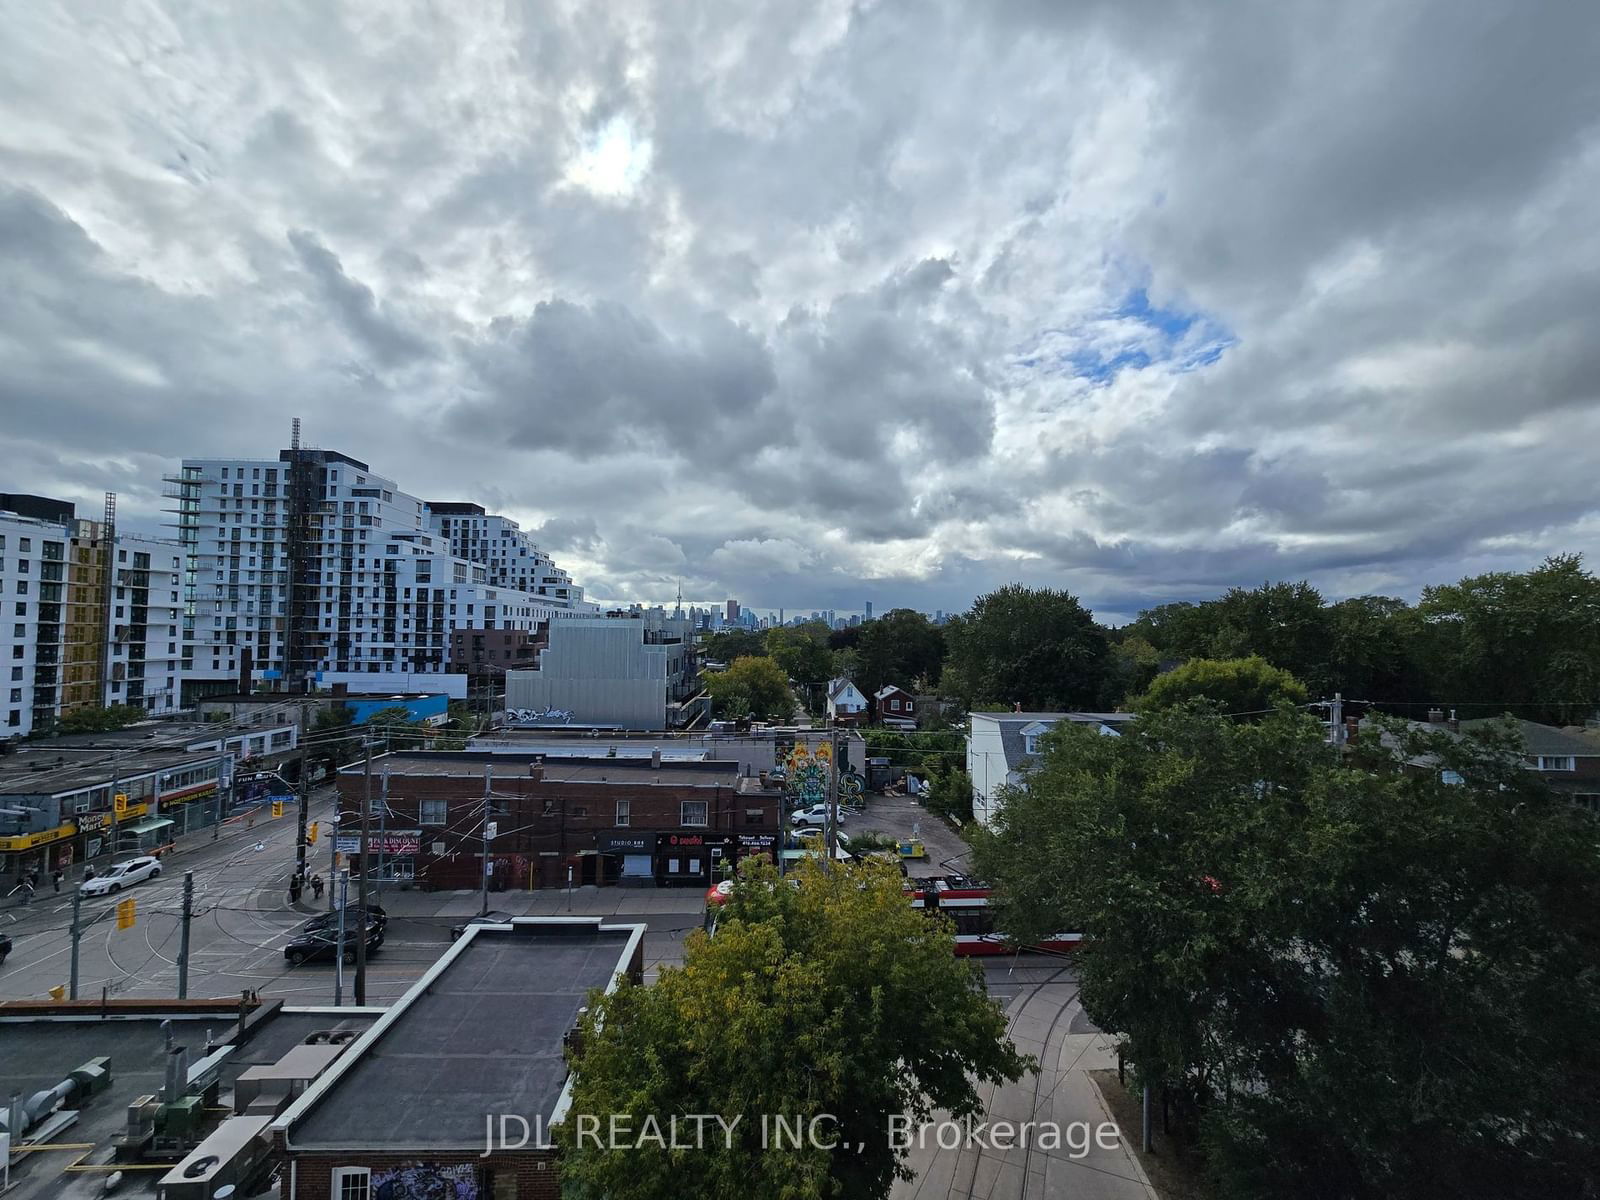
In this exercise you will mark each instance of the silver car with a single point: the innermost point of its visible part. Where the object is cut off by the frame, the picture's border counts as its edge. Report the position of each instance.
(121, 875)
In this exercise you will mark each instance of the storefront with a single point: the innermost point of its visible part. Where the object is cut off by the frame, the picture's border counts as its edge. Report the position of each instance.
(635, 852)
(43, 851)
(761, 845)
(191, 809)
(393, 852)
(140, 837)
(692, 858)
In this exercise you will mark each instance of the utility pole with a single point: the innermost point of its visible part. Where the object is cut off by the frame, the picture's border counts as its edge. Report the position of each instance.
(1336, 719)
(183, 943)
(223, 765)
(488, 783)
(77, 936)
(116, 785)
(383, 824)
(361, 903)
(833, 801)
(305, 796)
(338, 961)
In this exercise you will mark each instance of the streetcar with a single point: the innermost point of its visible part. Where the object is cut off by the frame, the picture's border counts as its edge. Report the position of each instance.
(968, 904)
(965, 901)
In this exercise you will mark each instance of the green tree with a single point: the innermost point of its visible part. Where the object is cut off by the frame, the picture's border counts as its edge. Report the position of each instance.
(1239, 686)
(901, 647)
(828, 997)
(730, 644)
(803, 655)
(99, 720)
(1523, 643)
(751, 686)
(1361, 980)
(1031, 646)
(1133, 664)
(846, 664)
(950, 794)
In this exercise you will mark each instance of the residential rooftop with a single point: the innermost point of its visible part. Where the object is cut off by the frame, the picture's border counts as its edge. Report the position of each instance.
(470, 764)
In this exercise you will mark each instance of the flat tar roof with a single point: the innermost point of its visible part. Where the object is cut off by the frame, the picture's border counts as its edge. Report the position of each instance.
(484, 1035)
(467, 764)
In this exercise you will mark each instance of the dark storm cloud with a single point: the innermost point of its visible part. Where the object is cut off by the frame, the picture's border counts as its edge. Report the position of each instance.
(803, 303)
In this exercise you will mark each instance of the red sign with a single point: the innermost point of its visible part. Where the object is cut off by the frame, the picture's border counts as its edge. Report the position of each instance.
(686, 839)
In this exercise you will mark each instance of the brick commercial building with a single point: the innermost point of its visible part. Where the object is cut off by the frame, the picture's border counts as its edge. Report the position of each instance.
(607, 820)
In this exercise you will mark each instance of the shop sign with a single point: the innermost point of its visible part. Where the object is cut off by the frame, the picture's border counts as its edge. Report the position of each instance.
(758, 841)
(686, 839)
(626, 843)
(27, 841)
(385, 843)
(89, 822)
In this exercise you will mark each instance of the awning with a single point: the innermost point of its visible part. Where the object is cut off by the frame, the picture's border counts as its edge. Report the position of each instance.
(149, 826)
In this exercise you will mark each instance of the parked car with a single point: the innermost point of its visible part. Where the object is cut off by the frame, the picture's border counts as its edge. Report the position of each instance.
(324, 946)
(492, 917)
(120, 875)
(5, 946)
(817, 814)
(813, 839)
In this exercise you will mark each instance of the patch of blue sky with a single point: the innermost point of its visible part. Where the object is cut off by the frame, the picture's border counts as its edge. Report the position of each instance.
(1135, 334)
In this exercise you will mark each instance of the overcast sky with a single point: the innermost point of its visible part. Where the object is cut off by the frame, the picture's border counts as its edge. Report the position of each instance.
(814, 303)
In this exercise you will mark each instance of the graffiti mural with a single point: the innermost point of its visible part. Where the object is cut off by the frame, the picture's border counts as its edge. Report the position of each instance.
(426, 1181)
(542, 716)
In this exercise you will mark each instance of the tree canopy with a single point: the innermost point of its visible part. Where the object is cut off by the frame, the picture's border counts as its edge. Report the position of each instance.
(751, 687)
(832, 997)
(901, 647)
(1031, 646)
(99, 720)
(1239, 686)
(1360, 978)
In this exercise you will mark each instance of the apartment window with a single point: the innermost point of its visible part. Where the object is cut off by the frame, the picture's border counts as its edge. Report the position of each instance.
(693, 813)
(432, 812)
(16, 695)
(19, 631)
(624, 807)
(754, 816)
(24, 544)
(1560, 762)
(16, 672)
(894, 705)
(352, 1183)
(14, 719)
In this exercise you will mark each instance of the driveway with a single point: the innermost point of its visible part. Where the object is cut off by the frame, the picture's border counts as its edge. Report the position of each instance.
(902, 817)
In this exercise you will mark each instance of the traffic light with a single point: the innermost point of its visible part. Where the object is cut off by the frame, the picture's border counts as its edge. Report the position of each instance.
(127, 912)
(277, 808)
(121, 804)
(311, 834)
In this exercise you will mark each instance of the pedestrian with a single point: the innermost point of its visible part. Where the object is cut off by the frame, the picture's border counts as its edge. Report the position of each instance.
(55, 878)
(316, 887)
(294, 888)
(88, 872)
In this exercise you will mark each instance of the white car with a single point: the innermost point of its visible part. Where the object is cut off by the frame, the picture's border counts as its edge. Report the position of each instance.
(817, 814)
(120, 875)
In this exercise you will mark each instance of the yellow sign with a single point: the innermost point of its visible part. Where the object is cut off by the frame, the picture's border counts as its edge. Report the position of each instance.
(121, 805)
(311, 834)
(127, 912)
(27, 841)
(277, 808)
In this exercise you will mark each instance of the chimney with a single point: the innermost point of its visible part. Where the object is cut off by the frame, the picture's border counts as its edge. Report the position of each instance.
(655, 758)
(1436, 716)
(1453, 724)
(536, 770)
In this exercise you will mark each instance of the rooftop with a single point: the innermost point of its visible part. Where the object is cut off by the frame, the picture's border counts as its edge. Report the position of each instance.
(47, 772)
(40, 1048)
(482, 1031)
(470, 764)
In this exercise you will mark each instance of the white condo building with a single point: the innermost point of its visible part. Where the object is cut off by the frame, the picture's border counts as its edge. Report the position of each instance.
(312, 565)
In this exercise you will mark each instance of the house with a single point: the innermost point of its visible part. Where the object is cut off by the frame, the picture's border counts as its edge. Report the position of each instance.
(846, 704)
(485, 1033)
(1002, 746)
(895, 706)
(1569, 762)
